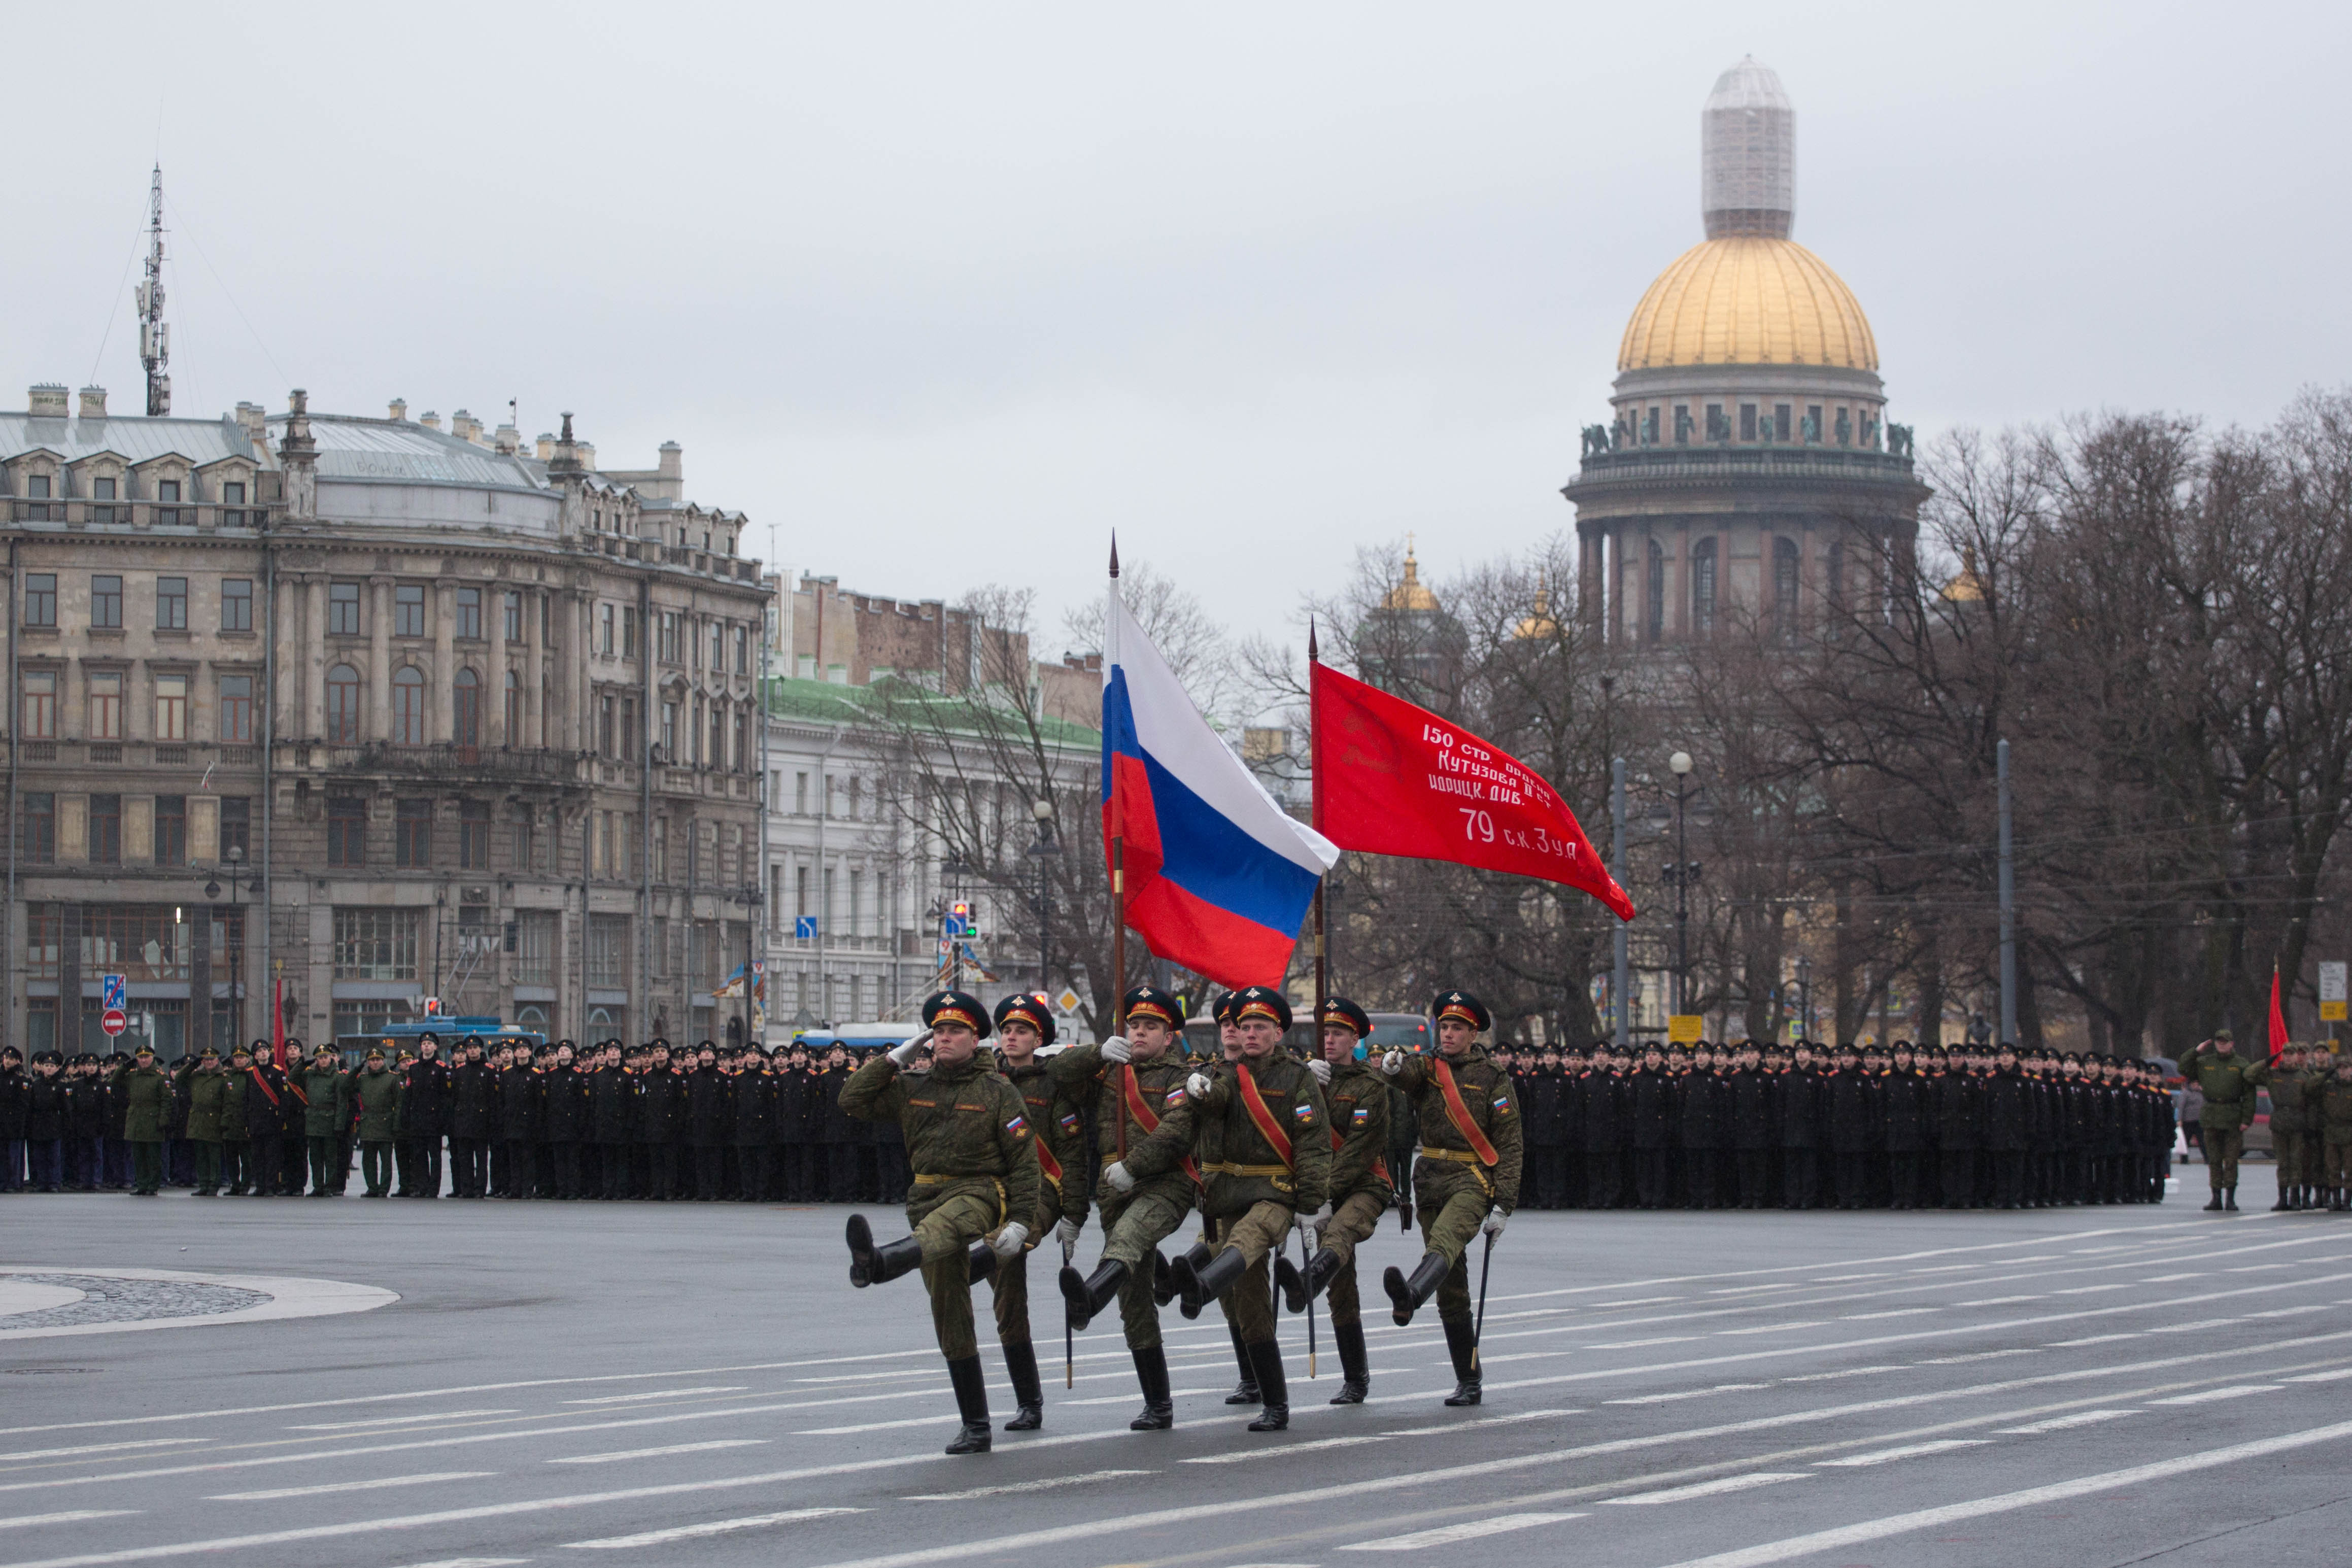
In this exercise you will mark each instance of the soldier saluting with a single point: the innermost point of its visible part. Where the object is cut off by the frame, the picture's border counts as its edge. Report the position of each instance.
(2230, 1083)
(975, 1164)
(1467, 1178)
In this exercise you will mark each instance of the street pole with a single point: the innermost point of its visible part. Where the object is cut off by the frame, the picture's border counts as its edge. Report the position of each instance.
(1620, 939)
(1682, 898)
(2007, 905)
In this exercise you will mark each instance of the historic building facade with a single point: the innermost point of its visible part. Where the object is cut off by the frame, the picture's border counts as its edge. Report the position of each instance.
(1747, 477)
(362, 712)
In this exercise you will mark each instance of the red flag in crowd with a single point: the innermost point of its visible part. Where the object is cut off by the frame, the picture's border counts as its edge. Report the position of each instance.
(1394, 779)
(277, 1022)
(2278, 1019)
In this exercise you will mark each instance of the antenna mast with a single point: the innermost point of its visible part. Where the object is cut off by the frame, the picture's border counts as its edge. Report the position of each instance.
(154, 337)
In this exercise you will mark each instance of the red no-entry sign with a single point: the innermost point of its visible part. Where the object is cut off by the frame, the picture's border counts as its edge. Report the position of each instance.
(114, 1022)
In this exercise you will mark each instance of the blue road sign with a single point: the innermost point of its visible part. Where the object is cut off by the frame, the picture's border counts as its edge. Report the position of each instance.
(804, 928)
(113, 989)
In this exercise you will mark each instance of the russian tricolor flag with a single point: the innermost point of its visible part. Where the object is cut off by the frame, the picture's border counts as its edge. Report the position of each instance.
(1219, 878)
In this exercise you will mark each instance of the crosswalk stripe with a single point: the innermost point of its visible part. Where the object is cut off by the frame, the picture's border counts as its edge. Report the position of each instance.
(659, 1453)
(1909, 1451)
(375, 1483)
(2063, 1423)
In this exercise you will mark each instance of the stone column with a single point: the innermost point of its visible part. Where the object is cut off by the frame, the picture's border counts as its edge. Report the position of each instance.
(570, 694)
(69, 978)
(534, 670)
(314, 658)
(494, 678)
(378, 726)
(200, 983)
(441, 694)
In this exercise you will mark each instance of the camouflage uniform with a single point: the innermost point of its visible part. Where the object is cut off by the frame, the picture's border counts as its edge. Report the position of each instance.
(1135, 1222)
(1359, 1099)
(2336, 1128)
(2229, 1083)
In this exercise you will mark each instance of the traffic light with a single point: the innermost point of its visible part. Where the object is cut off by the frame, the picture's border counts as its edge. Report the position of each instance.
(960, 922)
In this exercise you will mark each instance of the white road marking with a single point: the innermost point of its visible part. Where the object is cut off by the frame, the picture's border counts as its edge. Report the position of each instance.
(373, 1484)
(653, 1394)
(471, 1562)
(1768, 1329)
(2118, 1285)
(1849, 1372)
(1637, 1344)
(98, 1448)
(2094, 1340)
(1687, 1394)
(2002, 1302)
(383, 1421)
(2063, 1423)
(27, 1520)
(2209, 1396)
(1977, 1355)
(1909, 1451)
(2168, 1279)
(2338, 1375)
(1131, 1398)
(1710, 1489)
(1048, 1483)
(1897, 1312)
(1448, 1534)
(709, 1527)
(2006, 1502)
(660, 1453)
(1249, 1454)
(2206, 1323)
(1476, 1422)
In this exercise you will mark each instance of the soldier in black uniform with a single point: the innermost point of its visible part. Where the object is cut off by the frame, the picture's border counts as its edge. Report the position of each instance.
(1700, 1111)
(473, 1099)
(754, 1105)
(710, 1123)
(1543, 1102)
(1605, 1096)
(1959, 1133)
(423, 1118)
(1801, 1123)
(1650, 1128)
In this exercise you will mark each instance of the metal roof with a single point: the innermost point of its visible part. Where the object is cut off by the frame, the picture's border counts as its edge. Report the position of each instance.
(135, 438)
(357, 450)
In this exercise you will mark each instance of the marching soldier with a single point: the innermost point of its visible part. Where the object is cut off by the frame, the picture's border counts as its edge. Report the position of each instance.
(1357, 1099)
(969, 1138)
(1023, 1023)
(2230, 1083)
(1468, 1179)
(1268, 1110)
(1138, 1079)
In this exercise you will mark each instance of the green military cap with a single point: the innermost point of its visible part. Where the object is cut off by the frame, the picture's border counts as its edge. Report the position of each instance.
(375, 1053)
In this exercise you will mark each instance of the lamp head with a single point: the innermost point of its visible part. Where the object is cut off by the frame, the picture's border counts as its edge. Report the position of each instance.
(1680, 762)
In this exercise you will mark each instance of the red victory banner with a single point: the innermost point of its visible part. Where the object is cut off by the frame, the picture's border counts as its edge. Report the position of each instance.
(1394, 779)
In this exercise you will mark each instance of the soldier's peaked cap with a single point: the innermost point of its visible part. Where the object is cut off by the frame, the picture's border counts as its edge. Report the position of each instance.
(374, 1053)
(957, 1007)
(1261, 1002)
(1150, 1002)
(1460, 1004)
(1029, 1010)
(1339, 1010)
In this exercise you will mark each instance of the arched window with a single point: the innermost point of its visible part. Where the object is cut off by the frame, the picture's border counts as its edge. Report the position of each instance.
(1702, 587)
(342, 706)
(514, 709)
(1653, 594)
(408, 706)
(1784, 590)
(466, 708)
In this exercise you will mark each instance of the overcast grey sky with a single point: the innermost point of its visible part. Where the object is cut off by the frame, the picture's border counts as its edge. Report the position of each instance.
(943, 293)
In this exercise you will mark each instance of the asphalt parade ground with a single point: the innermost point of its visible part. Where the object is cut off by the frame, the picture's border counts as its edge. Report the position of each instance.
(389, 1385)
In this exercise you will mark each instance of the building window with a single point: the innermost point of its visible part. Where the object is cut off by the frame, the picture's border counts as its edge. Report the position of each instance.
(237, 604)
(1718, 428)
(474, 834)
(719, 734)
(604, 630)
(669, 730)
(1833, 582)
(343, 609)
(40, 706)
(1653, 594)
(106, 602)
(346, 830)
(1813, 431)
(1845, 427)
(469, 615)
(408, 610)
(742, 740)
(718, 645)
(342, 706)
(236, 709)
(41, 599)
(412, 843)
(742, 650)
(1784, 589)
(232, 494)
(1780, 422)
(535, 948)
(604, 725)
(170, 707)
(1748, 422)
(106, 829)
(104, 490)
(167, 503)
(171, 830)
(521, 846)
(408, 706)
(105, 706)
(36, 827)
(465, 708)
(608, 951)
(667, 649)
(376, 944)
(170, 604)
(1702, 587)
(514, 616)
(629, 745)
(628, 631)
(236, 826)
(1649, 429)
(695, 738)
(514, 709)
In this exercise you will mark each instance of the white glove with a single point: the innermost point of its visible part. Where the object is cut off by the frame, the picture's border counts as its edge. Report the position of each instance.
(1321, 1218)
(1008, 1240)
(901, 1055)
(1320, 1068)
(1116, 1174)
(1495, 1218)
(1392, 1062)
(1115, 1049)
(1197, 1085)
(1066, 1231)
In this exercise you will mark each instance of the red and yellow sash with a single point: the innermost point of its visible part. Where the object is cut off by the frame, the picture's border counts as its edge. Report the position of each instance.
(1459, 1114)
(1379, 1162)
(263, 1084)
(1267, 1127)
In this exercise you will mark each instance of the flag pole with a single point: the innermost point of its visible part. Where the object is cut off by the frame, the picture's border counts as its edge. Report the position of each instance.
(1314, 788)
(1117, 846)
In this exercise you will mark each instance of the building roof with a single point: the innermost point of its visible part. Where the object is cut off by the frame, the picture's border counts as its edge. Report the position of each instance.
(134, 438)
(890, 701)
(400, 451)
(1749, 299)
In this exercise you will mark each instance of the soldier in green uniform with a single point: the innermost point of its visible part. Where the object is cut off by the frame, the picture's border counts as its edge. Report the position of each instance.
(237, 1165)
(1467, 1177)
(377, 1090)
(2336, 1130)
(1271, 1167)
(146, 1095)
(1135, 1079)
(325, 1102)
(2289, 1125)
(975, 1165)
(1357, 1096)
(206, 1087)
(1025, 1024)
(2230, 1083)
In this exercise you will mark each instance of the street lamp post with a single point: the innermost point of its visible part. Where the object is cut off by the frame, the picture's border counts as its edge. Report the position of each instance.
(1804, 997)
(1681, 874)
(233, 863)
(1045, 851)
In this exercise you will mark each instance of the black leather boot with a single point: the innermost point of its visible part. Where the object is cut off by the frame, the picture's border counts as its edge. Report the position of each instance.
(2230, 1199)
(1406, 1296)
(1245, 1391)
(972, 1404)
(1466, 1377)
(872, 1265)
(981, 1261)
(1028, 1394)
(1165, 1282)
(1291, 1283)
(1321, 1269)
(1273, 1389)
(2214, 1207)
(1090, 1294)
(1196, 1287)
(1355, 1365)
(1159, 1406)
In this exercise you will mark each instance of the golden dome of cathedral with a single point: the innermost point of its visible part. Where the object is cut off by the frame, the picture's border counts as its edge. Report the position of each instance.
(1411, 594)
(1748, 299)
